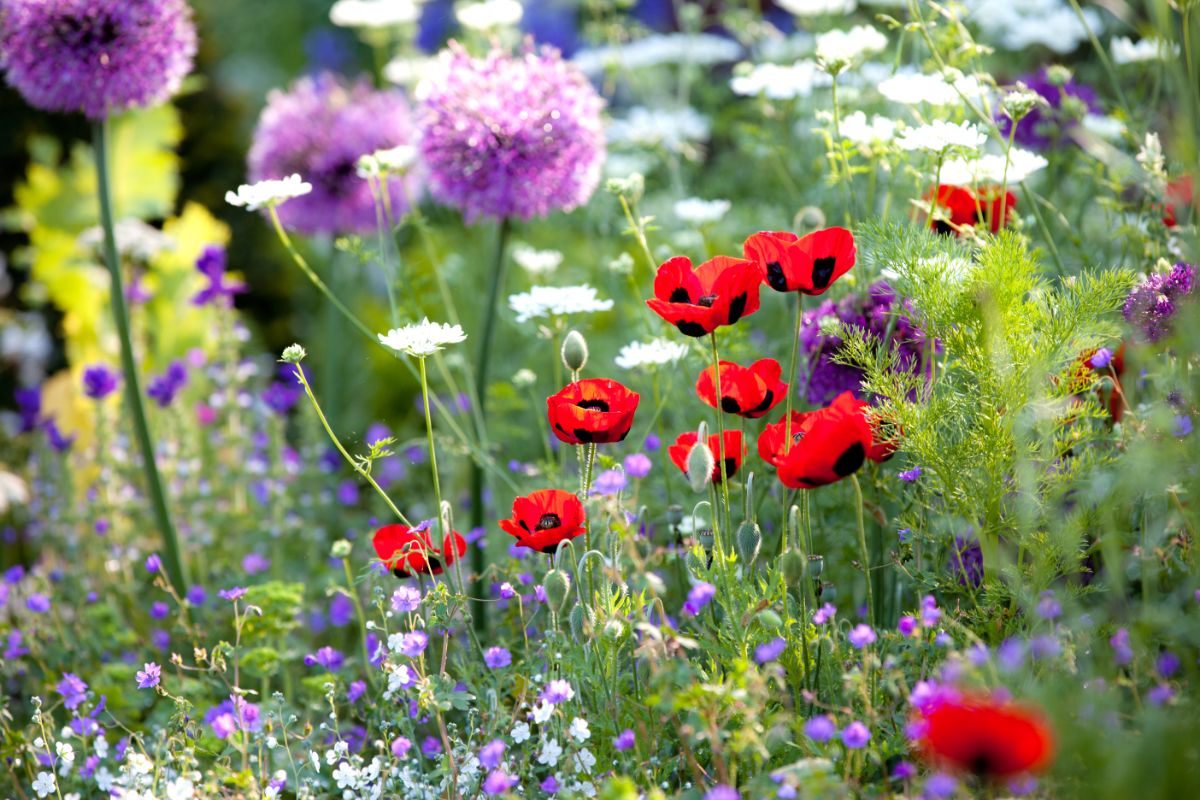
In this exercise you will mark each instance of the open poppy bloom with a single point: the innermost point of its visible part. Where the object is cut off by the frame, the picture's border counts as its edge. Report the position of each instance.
(594, 410)
(808, 264)
(1181, 198)
(544, 519)
(746, 391)
(408, 551)
(827, 445)
(719, 292)
(966, 207)
(731, 453)
(986, 738)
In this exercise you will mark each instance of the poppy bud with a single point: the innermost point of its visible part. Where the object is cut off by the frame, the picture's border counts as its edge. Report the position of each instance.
(792, 564)
(615, 630)
(809, 219)
(576, 620)
(769, 619)
(748, 541)
(574, 351)
(558, 588)
(341, 549)
(700, 465)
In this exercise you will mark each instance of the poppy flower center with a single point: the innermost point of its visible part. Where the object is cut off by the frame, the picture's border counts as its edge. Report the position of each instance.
(593, 405)
(680, 295)
(707, 300)
(548, 522)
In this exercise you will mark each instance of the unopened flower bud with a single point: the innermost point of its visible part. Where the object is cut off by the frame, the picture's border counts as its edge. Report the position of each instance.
(558, 588)
(340, 549)
(574, 351)
(748, 541)
(792, 564)
(293, 354)
(808, 219)
(769, 619)
(700, 464)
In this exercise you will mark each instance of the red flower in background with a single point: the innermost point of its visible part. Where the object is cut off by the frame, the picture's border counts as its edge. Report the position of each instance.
(719, 292)
(746, 391)
(827, 445)
(1088, 367)
(1181, 198)
(732, 452)
(966, 207)
(808, 264)
(986, 738)
(544, 519)
(408, 551)
(594, 410)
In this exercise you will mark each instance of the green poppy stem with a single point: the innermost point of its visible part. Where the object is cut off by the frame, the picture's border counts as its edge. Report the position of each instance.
(172, 555)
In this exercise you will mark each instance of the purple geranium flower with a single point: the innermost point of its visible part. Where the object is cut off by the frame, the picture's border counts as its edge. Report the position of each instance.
(856, 735)
(99, 381)
(625, 741)
(769, 651)
(149, 676)
(820, 728)
(219, 290)
(497, 657)
(698, 597)
(73, 690)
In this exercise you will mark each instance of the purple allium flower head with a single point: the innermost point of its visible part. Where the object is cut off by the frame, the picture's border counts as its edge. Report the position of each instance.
(638, 465)
(319, 128)
(1046, 125)
(99, 381)
(880, 315)
(1150, 306)
(492, 754)
(856, 735)
(966, 562)
(1101, 358)
(219, 290)
(625, 741)
(861, 636)
(400, 747)
(511, 135)
(824, 614)
(96, 56)
(497, 657)
(165, 387)
(149, 676)
(698, 597)
(769, 651)
(722, 792)
(820, 728)
(73, 690)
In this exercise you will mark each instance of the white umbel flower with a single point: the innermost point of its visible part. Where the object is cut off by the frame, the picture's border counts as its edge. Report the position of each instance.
(1126, 51)
(654, 353)
(267, 193)
(422, 339)
(939, 136)
(393, 161)
(373, 13)
(936, 90)
(134, 239)
(536, 262)
(990, 168)
(857, 129)
(698, 211)
(816, 8)
(556, 301)
(780, 81)
(701, 49)
(490, 14)
(675, 130)
(837, 49)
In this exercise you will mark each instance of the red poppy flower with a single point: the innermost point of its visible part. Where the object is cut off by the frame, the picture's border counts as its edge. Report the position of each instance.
(966, 207)
(719, 292)
(827, 445)
(732, 452)
(809, 265)
(1084, 374)
(408, 551)
(989, 739)
(1181, 198)
(746, 391)
(594, 410)
(542, 520)
(885, 439)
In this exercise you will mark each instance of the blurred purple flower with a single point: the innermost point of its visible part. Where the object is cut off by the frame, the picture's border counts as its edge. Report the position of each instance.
(1152, 304)
(698, 597)
(497, 657)
(769, 651)
(638, 465)
(164, 388)
(73, 690)
(99, 381)
(819, 728)
(218, 291)
(625, 740)
(149, 676)
(856, 735)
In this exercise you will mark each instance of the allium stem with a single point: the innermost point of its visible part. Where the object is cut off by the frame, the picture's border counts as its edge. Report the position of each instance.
(499, 268)
(433, 465)
(712, 337)
(172, 556)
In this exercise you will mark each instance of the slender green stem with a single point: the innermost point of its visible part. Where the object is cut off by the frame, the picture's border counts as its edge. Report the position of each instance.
(837, 143)
(1102, 54)
(433, 465)
(712, 338)
(864, 553)
(362, 617)
(172, 554)
(787, 408)
(312, 398)
(499, 270)
(1012, 133)
(588, 466)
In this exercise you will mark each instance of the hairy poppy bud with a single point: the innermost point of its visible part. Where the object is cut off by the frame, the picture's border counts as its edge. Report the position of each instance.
(700, 465)
(574, 351)
(576, 620)
(615, 630)
(827, 592)
(341, 549)
(809, 219)
(792, 564)
(674, 514)
(558, 588)
(769, 619)
(706, 539)
(748, 541)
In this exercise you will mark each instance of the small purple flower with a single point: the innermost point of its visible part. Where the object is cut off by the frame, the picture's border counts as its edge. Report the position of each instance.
(223, 725)
(341, 610)
(197, 596)
(492, 754)
(164, 388)
(940, 786)
(73, 690)
(903, 534)
(431, 747)
(58, 442)
(550, 785)
(400, 747)
(625, 741)
(99, 381)
(153, 563)
(413, 644)
(903, 771)
(1101, 358)
(966, 562)
(910, 475)
(254, 563)
(507, 592)
(347, 493)
(558, 691)
(356, 691)
(539, 593)
(907, 625)
(769, 651)
(1181, 426)
(149, 676)
(1048, 607)
(219, 291)
(326, 657)
(698, 597)
(824, 614)
(1043, 647)
(159, 610)
(406, 599)
(15, 648)
(820, 728)
(497, 657)
(930, 613)
(861, 636)
(1152, 304)
(638, 465)
(609, 482)
(498, 782)
(1167, 664)
(856, 735)
(1011, 654)
(722, 792)
(1160, 695)
(1049, 124)
(38, 603)
(236, 593)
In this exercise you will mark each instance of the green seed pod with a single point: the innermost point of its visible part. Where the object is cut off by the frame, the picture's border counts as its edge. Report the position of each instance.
(827, 593)
(792, 564)
(574, 351)
(706, 539)
(769, 619)
(558, 589)
(816, 565)
(748, 541)
(674, 515)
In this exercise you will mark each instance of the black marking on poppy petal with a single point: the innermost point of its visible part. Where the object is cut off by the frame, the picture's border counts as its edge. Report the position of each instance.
(693, 329)
(707, 300)
(594, 405)
(730, 406)
(549, 549)
(765, 404)
(849, 461)
(434, 563)
(809, 482)
(822, 272)
(981, 764)
(525, 526)
(399, 573)
(941, 226)
(731, 466)
(775, 277)
(679, 295)
(583, 435)
(548, 522)
(737, 307)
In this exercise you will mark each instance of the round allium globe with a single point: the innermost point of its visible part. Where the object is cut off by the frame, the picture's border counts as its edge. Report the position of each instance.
(96, 56)
(511, 135)
(319, 128)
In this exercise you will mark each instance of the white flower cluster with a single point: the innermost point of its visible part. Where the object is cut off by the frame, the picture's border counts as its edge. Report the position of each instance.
(991, 168)
(698, 211)
(816, 8)
(393, 161)
(490, 14)
(939, 136)
(856, 128)
(1125, 51)
(937, 90)
(266, 193)
(701, 49)
(1021, 24)
(838, 49)
(534, 261)
(675, 130)
(410, 70)
(654, 353)
(556, 301)
(780, 81)
(373, 13)
(135, 239)
(423, 338)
